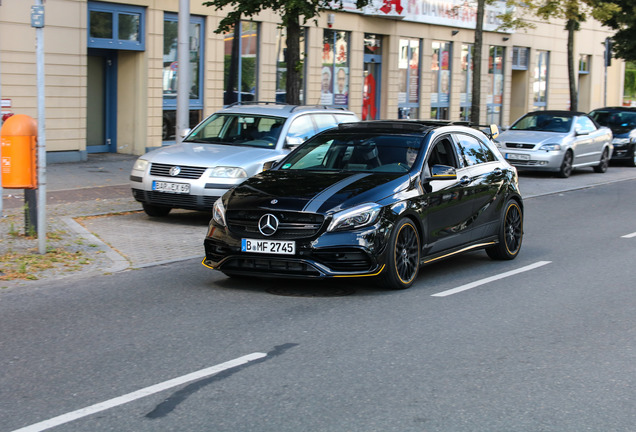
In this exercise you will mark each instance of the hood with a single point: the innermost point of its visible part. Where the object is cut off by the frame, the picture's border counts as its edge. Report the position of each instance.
(621, 131)
(208, 155)
(531, 137)
(313, 192)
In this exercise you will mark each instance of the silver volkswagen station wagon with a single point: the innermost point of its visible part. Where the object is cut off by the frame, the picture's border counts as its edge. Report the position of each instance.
(223, 150)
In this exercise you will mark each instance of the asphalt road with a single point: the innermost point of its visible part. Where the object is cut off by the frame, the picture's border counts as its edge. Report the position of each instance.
(546, 342)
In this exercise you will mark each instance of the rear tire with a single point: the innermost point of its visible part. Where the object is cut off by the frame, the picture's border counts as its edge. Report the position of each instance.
(604, 162)
(156, 211)
(510, 233)
(403, 256)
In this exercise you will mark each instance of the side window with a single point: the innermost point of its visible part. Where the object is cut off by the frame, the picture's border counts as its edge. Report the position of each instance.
(301, 129)
(442, 154)
(584, 125)
(473, 151)
(325, 121)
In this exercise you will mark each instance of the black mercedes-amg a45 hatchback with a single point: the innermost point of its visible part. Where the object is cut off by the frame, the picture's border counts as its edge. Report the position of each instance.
(373, 199)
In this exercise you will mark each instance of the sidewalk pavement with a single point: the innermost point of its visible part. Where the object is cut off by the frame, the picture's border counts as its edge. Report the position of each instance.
(93, 220)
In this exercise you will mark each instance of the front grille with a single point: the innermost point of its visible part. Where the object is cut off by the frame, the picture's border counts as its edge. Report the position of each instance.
(271, 266)
(519, 145)
(187, 172)
(292, 225)
(523, 163)
(185, 201)
(345, 260)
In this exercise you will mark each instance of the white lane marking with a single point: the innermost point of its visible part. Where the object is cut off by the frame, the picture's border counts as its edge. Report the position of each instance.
(629, 235)
(491, 279)
(102, 406)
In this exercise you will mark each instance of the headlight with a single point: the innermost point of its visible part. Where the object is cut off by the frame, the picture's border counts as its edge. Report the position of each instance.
(228, 172)
(140, 165)
(356, 217)
(498, 144)
(620, 140)
(218, 212)
(550, 147)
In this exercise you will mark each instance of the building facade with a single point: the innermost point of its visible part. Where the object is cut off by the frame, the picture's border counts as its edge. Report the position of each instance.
(111, 67)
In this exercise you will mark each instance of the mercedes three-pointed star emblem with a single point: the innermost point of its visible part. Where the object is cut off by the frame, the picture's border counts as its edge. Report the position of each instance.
(268, 224)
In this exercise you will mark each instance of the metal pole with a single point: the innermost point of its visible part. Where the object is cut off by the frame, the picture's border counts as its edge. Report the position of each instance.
(183, 71)
(605, 62)
(41, 147)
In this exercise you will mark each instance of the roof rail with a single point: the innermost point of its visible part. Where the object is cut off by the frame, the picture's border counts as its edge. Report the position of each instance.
(319, 107)
(255, 103)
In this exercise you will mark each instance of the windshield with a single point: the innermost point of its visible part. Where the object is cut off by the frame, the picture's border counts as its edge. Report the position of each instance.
(544, 123)
(355, 153)
(237, 129)
(622, 121)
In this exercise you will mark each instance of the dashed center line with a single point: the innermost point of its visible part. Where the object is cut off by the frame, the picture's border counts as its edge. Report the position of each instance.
(121, 400)
(629, 235)
(491, 279)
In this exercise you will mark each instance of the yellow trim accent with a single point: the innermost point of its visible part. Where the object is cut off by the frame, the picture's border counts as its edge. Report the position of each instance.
(362, 275)
(459, 251)
(205, 265)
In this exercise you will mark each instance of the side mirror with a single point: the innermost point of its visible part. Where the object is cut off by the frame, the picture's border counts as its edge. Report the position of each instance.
(443, 172)
(494, 131)
(293, 142)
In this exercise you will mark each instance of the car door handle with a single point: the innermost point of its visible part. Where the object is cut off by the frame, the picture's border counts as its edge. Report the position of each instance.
(464, 180)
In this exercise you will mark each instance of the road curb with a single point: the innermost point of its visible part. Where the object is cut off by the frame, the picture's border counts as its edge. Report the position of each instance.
(119, 262)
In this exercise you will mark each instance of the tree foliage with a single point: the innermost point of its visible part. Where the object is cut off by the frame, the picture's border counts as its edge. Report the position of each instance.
(293, 13)
(619, 15)
(573, 12)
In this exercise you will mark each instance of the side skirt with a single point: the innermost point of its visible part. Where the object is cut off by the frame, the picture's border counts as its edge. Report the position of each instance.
(452, 252)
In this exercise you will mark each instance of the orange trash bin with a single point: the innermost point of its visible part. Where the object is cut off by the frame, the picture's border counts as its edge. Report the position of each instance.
(19, 141)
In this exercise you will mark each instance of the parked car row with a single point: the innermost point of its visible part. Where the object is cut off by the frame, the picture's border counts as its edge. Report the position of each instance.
(311, 193)
(560, 141)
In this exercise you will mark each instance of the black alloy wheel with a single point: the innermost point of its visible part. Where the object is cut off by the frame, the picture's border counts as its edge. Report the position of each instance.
(510, 233)
(566, 165)
(604, 162)
(403, 257)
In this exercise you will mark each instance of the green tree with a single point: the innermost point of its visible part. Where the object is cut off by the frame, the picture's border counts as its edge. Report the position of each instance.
(573, 12)
(512, 19)
(619, 15)
(294, 14)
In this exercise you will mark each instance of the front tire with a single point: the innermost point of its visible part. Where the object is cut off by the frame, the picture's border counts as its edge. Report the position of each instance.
(403, 257)
(510, 233)
(566, 165)
(632, 161)
(156, 211)
(604, 162)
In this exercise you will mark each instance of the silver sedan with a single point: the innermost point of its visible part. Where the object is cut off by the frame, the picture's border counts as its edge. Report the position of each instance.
(557, 141)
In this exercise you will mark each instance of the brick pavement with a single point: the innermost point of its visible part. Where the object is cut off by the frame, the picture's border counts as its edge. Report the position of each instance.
(90, 212)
